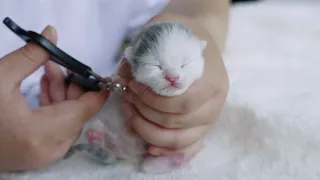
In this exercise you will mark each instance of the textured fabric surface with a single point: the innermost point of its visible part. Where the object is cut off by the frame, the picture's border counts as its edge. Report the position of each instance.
(273, 64)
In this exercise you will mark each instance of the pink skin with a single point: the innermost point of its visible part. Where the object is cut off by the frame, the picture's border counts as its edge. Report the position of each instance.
(95, 137)
(178, 160)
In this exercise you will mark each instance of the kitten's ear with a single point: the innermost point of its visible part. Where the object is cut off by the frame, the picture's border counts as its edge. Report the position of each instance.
(203, 44)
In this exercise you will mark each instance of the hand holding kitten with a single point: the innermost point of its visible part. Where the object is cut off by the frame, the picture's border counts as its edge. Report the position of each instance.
(173, 125)
(183, 89)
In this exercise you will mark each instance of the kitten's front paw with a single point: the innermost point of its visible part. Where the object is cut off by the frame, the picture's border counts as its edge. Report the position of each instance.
(95, 137)
(95, 133)
(163, 164)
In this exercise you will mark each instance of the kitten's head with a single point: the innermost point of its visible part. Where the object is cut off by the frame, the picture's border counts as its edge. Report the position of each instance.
(167, 57)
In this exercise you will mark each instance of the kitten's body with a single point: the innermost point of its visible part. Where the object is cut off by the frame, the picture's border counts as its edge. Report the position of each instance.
(159, 51)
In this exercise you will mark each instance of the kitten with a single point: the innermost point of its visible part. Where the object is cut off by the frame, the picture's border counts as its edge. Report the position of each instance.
(167, 57)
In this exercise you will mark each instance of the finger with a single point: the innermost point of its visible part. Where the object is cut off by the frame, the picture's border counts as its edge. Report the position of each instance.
(57, 86)
(90, 103)
(178, 104)
(189, 151)
(169, 138)
(128, 113)
(74, 91)
(44, 94)
(69, 117)
(61, 150)
(69, 72)
(213, 79)
(24, 61)
(206, 114)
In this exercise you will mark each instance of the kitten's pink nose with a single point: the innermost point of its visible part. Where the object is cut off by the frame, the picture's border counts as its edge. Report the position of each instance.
(172, 79)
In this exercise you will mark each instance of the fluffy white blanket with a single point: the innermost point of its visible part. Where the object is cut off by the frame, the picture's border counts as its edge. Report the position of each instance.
(273, 63)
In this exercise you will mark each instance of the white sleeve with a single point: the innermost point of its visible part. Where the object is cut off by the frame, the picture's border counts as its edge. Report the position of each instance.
(144, 10)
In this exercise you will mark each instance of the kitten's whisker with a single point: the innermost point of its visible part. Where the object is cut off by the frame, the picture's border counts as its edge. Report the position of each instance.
(145, 87)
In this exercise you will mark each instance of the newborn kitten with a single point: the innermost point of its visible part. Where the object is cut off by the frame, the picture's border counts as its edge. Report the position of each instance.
(167, 57)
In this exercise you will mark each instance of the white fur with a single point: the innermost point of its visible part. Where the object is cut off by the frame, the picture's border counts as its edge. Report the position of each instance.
(176, 55)
(179, 55)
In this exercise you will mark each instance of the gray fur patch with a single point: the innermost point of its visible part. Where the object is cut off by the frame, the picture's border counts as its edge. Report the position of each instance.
(101, 155)
(147, 40)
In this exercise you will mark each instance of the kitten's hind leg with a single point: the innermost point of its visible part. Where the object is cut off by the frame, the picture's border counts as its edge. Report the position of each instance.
(95, 133)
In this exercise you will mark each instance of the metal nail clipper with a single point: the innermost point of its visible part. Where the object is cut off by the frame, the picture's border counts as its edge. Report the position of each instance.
(81, 74)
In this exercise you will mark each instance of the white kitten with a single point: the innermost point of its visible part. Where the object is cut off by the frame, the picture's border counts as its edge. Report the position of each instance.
(167, 57)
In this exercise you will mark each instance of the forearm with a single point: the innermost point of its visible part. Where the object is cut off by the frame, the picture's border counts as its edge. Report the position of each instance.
(211, 14)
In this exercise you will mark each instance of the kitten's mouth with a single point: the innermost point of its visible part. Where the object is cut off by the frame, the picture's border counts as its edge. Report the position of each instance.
(173, 86)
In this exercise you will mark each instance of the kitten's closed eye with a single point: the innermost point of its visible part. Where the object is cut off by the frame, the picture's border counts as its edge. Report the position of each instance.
(152, 66)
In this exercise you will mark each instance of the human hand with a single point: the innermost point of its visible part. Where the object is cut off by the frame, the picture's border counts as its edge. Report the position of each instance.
(175, 125)
(54, 89)
(35, 138)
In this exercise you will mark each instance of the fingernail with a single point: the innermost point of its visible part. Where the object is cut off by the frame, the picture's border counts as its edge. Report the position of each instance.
(127, 111)
(49, 32)
(52, 30)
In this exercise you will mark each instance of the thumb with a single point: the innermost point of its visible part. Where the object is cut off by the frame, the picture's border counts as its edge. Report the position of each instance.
(20, 63)
(89, 104)
(92, 102)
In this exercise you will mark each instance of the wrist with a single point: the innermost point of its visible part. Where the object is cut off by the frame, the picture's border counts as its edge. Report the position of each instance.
(12, 158)
(19, 154)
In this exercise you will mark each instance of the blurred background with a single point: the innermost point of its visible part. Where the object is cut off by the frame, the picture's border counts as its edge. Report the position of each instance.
(273, 54)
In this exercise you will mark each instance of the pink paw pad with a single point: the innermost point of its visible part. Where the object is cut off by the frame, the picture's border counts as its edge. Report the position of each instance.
(94, 137)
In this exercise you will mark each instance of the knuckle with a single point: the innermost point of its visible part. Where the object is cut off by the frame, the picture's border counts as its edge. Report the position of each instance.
(33, 146)
(29, 53)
